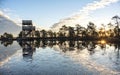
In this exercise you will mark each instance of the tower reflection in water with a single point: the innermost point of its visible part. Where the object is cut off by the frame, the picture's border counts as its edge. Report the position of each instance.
(92, 47)
(28, 48)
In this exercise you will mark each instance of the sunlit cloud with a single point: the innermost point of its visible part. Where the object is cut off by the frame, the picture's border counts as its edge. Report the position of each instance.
(8, 25)
(3, 14)
(6, 12)
(83, 16)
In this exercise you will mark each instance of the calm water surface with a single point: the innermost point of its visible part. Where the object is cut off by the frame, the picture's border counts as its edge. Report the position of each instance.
(59, 58)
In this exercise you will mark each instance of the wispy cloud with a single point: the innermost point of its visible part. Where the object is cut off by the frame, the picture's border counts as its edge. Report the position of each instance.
(84, 13)
(7, 13)
(3, 14)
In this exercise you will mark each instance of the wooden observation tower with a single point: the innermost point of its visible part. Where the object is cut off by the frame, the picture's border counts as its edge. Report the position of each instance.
(28, 30)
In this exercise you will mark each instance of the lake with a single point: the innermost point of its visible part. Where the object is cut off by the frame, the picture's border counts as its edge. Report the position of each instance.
(59, 58)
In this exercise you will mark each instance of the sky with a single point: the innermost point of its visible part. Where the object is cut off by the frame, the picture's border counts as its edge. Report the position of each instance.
(46, 13)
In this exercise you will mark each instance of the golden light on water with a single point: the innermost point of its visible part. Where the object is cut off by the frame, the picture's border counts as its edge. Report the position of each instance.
(102, 41)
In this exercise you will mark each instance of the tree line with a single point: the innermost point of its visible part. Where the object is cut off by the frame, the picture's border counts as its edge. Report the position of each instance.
(91, 31)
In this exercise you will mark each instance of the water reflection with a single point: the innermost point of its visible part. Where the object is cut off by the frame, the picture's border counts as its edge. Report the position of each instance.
(7, 43)
(87, 52)
(29, 47)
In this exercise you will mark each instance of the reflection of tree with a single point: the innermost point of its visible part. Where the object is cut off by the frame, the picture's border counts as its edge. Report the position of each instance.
(43, 44)
(91, 46)
(77, 46)
(103, 47)
(37, 43)
(71, 45)
(115, 55)
(50, 44)
(118, 55)
(61, 42)
(63, 46)
(7, 43)
(80, 45)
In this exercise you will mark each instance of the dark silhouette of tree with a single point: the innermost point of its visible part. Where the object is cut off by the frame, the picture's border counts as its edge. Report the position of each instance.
(84, 33)
(20, 35)
(102, 32)
(91, 30)
(44, 33)
(116, 31)
(54, 34)
(63, 30)
(6, 36)
(60, 34)
(37, 34)
(81, 31)
(117, 18)
(71, 32)
(111, 32)
(50, 33)
(78, 29)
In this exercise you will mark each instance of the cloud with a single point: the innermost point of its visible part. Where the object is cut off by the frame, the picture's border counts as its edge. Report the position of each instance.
(7, 13)
(3, 14)
(83, 15)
